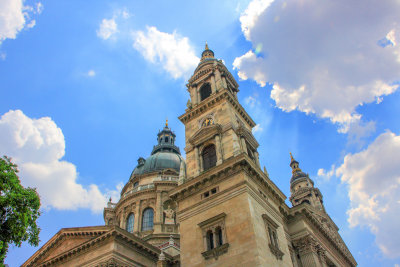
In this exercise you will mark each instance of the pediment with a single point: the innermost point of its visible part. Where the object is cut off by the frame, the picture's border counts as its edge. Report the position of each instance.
(243, 131)
(65, 240)
(205, 133)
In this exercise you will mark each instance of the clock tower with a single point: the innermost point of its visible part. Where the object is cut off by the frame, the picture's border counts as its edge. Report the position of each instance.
(228, 208)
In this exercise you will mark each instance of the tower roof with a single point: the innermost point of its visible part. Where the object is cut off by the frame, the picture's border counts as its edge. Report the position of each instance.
(207, 53)
(165, 155)
(297, 173)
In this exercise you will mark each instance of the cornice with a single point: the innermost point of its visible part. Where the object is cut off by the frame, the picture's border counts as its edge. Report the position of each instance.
(210, 102)
(114, 232)
(63, 233)
(303, 210)
(241, 162)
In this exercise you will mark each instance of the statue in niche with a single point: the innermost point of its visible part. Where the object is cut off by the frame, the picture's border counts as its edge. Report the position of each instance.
(169, 215)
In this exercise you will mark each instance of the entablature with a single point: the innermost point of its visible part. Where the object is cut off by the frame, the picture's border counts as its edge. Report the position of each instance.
(208, 103)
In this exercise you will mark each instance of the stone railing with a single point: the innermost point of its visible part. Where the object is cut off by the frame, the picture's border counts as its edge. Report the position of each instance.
(111, 205)
(139, 188)
(167, 178)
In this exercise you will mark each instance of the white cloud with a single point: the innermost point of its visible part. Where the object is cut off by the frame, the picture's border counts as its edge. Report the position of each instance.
(257, 129)
(91, 73)
(172, 51)
(14, 17)
(107, 28)
(326, 175)
(250, 16)
(322, 58)
(37, 146)
(250, 101)
(373, 176)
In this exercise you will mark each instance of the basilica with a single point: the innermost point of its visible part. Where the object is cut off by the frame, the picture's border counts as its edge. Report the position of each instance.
(217, 207)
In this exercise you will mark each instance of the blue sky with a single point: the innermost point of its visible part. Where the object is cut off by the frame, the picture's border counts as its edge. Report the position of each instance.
(85, 87)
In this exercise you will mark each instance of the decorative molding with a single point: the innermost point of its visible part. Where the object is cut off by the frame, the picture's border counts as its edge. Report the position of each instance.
(215, 252)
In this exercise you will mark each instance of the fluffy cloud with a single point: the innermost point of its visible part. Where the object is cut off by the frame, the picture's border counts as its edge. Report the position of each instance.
(14, 17)
(37, 146)
(373, 176)
(171, 51)
(323, 57)
(91, 73)
(107, 28)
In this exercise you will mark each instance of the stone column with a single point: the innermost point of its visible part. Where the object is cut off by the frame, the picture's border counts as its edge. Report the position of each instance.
(236, 144)
(205, 241)
(218, 149)
(322, 257)
(307, 247)
(159, 216)
(213, 85)
(244, 147)
(123, 220)
(224, 82)
(214, 237)
(198, 94)
(195, 95)
(196, 154)
(218, 79)
(136, 223)
(201, 163)
(257, 159)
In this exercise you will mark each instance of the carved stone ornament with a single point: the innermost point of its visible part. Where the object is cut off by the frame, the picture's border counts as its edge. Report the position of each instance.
(111, 263)
(169, 215)
(216, 252)
(306, 245)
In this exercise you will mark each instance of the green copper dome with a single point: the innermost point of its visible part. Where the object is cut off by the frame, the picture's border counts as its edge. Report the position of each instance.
(165, 155)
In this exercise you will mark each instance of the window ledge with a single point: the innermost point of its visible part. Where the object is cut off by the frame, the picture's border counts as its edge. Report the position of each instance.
(276, 251)
(215, 252)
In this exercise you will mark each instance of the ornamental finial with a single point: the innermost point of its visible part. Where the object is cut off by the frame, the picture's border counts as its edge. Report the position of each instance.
(291, 156)
(166, 123)
(206, 46)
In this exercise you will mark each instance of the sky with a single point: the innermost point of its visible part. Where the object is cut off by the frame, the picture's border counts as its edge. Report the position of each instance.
(85, 87)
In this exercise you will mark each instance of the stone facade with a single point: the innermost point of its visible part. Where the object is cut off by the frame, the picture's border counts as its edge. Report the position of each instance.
(216, 208)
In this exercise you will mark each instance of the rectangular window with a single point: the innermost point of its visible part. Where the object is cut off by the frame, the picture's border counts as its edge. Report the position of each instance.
(214, 236)
(273, 243)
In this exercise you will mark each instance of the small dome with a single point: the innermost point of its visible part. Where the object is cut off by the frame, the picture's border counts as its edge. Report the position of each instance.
(297, 175)
(158, 162)
(165, 155)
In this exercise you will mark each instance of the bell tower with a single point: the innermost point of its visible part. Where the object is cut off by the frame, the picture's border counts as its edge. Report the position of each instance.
(216, 125)
(228, 208)
(302, 188)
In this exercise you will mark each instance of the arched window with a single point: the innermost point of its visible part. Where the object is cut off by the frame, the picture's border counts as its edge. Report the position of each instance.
(135, 184)
(218, 233)
(209, 157)
(210, 240)
(129, 223)
(205, 91)
(306, 201)
(147, 219)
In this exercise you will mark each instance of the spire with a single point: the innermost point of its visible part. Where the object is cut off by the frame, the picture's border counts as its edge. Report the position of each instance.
(166, 123)
(206, 46)
(294, 164)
